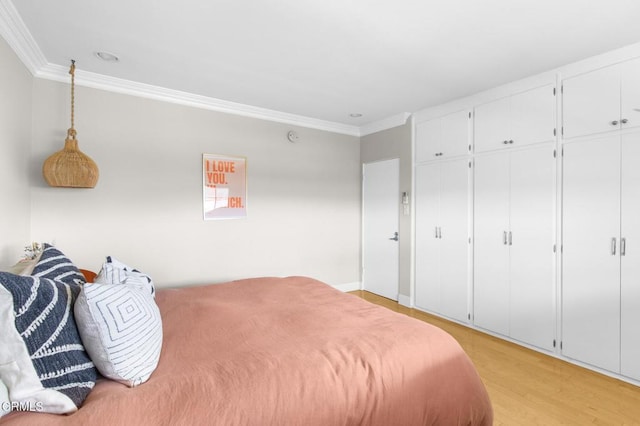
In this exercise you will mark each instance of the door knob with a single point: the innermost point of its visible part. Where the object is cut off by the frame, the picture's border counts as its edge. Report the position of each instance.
(395, 237)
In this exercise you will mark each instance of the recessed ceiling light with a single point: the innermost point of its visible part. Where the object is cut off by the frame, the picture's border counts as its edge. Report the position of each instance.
(355, 115)
(106, 56)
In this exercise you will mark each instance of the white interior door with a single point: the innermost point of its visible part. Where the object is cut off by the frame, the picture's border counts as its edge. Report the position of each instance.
(590, 261)
(491, 250)
(630, 257)
(532, 211)
(381, 204)
(454, 239)
(427, 199)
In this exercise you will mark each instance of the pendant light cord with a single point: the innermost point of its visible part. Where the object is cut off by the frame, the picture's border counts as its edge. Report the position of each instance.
(72, 72)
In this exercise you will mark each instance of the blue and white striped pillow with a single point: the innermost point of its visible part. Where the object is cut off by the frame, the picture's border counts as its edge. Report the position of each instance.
(53, 264)
(41, 353)
(43, 318)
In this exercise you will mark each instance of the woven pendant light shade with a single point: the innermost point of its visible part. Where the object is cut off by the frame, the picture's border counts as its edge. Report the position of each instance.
(70, 167)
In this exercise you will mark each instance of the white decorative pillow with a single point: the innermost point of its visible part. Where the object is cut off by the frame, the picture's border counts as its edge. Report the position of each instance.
(115, 272)
(120, 324)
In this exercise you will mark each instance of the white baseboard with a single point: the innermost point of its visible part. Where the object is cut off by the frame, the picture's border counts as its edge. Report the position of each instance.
(405, 301)
(349, 286)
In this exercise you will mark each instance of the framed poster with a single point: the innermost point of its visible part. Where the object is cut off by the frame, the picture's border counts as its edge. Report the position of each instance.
(224, 181)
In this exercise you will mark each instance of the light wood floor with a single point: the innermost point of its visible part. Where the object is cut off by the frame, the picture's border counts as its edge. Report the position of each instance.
(530, 388)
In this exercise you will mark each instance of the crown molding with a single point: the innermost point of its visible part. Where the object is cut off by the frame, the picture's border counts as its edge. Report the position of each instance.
(385, 124)
(128, 87)
(17, 35)
(15, 32)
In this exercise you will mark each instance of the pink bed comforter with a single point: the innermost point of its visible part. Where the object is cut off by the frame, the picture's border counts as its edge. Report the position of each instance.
(289, 351)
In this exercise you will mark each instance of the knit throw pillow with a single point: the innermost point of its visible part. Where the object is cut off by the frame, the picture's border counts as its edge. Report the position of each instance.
(42, 358)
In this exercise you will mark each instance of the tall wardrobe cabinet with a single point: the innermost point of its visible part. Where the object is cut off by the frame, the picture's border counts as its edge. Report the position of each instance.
(442, 233)
(601, 252)
(442, 215)
(514, 210)
(527, 212)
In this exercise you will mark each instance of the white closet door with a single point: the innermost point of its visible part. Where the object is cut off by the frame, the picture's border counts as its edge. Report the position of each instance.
(630, 257)
(428, 135)
(491, 252)
(532, 211)
(427, 232)
(533, 116)
(455, 134)
(630, 92)
(454, 242)
(591, 265)
(491, 125)
(591, 102)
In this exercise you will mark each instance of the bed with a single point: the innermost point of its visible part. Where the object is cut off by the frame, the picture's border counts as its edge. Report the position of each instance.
(288, 351)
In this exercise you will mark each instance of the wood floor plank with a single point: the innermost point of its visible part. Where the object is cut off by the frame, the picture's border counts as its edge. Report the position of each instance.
(531, 388)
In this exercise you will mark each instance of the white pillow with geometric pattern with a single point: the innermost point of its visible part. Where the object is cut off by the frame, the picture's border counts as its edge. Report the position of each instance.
(121, 329)
(115, 272)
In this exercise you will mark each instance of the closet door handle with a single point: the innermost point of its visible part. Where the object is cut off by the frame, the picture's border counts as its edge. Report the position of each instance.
(436, 232)
(623, 246)
(504, 238)
(624, 121)
(614, 123)
(439, 232)
(613, 246)
(510, 238)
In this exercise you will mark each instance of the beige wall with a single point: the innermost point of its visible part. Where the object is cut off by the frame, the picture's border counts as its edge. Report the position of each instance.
(15, 137)
(146, 210)
(387, 144)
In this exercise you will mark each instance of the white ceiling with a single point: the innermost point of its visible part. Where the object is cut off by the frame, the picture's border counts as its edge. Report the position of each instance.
(325, 59)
